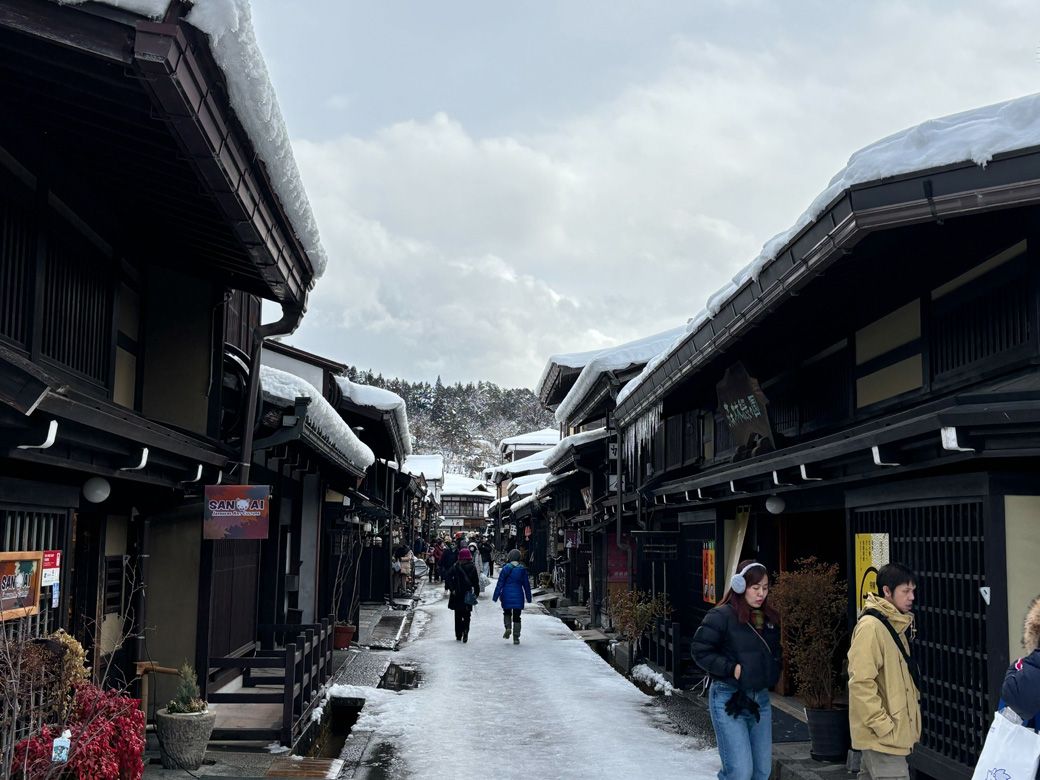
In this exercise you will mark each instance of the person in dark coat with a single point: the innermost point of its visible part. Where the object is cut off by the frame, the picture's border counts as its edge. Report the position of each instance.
(512, 590)
(487, 555)
(462, 578)
(738, 645)
(1021, 690)
(448, 558)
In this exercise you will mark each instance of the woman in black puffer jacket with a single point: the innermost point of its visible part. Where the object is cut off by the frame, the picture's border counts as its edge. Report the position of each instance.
(462, 579)
(738, 645)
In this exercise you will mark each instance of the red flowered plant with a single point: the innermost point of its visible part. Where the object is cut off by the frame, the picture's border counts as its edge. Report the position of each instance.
(107, 741)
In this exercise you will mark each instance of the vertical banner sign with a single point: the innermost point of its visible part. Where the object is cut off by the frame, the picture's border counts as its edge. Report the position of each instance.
(617, 561)
(708, 573)
(20, 574)
(236, 512)
(871, 555)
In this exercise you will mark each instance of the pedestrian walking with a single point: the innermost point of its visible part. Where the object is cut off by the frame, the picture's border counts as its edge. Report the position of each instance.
(438, 553)
(1021, 691)
(738, 645)
(448, 558)
(463, 583)
(884, 683)
(512, 591)
(487, 554)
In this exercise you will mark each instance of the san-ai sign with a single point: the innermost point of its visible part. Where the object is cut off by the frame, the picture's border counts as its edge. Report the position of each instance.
(236, 512)
(20, 584)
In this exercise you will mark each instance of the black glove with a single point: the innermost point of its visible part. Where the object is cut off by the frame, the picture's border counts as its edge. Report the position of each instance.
(739, 703)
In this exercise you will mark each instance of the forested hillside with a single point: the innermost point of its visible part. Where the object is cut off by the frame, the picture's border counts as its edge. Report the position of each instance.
(463, 422)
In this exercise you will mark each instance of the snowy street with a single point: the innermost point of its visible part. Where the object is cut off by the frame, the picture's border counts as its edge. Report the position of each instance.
(548, 707)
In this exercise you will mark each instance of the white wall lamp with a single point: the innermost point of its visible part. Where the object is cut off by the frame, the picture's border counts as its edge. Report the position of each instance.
(96, 489)
(775, 505)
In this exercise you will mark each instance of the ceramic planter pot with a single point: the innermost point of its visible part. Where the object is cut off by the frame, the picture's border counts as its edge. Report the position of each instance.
(183, 737)
(343, 636)
(829, 738)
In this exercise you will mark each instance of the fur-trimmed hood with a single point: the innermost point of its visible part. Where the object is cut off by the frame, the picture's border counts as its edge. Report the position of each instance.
(1031, 629)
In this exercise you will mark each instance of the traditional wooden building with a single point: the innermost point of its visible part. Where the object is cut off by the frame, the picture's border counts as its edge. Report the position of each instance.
(140, 226)
(868, 392)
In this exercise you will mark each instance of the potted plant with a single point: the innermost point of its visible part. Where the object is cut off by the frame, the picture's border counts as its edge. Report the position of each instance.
(812, 601)
(184, 725)
(346, 565)
(632, 612)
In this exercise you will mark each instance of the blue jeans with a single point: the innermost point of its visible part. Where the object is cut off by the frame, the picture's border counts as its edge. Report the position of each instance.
(745, 746)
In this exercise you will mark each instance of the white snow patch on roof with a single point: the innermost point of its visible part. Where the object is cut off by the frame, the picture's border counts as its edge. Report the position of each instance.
(532, 462)
(976, 135)
(430, 466)
(619, 358)
(542, 437)
(383, 400)
(153, 9)
(568, 443)
(564, 360)
(229, 25)
(527, 488)
(524, 502)
(461, 485)
(283, 388)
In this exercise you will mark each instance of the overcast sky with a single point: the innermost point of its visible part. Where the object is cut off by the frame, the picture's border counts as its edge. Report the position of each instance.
(496, 182)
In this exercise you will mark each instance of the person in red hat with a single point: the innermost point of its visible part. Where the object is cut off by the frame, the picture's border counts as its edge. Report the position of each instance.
(463, 584)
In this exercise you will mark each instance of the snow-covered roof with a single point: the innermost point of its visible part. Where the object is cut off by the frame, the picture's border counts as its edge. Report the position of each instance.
(461, 485)
(384, 401)
(528, 487)
(532, 462)
(568, 443)
(282, 388)
(975, 135)
(544, 437)
(430, 466)
(229, 25)
(554, 479)
(619, 358)
(524, 502)
(564, 360)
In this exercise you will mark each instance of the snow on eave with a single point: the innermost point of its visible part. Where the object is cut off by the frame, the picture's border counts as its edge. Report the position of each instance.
(524, 502)
(229, 25)
(430, 466)
(152, 9)
(544, 437)
(383, 401)
(976, 135)
(564, 360)
(569, 443)
(517, 467)
(620, 358)
(282, 389)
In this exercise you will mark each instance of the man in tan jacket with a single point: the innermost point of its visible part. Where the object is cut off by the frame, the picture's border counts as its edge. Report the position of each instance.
(884, 708)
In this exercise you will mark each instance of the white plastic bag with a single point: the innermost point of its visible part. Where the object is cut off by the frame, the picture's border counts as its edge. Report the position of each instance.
(1011, 752)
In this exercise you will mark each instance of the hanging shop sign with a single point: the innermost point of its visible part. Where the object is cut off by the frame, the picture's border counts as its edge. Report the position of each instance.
(572, 538)
(236, 512)
(872, 552)
(708, 595)
(745, 408)
(20, 574)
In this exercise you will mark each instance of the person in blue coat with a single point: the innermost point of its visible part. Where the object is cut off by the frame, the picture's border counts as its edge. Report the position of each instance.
(1021, 690)
(513, 590)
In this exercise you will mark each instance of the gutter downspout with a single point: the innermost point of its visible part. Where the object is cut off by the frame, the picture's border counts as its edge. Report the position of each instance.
(290, 320)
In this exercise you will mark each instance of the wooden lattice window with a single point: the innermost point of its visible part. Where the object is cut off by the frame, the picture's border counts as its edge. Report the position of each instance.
(17, 248)
(945, 545)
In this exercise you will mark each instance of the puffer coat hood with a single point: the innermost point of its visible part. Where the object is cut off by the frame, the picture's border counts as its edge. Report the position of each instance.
(1031, 629)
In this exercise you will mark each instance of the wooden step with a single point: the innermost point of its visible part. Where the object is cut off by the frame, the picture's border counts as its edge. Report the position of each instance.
(288, 766)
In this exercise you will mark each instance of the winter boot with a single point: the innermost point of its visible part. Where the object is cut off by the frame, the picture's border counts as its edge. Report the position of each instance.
(516, 632)
(505, 620)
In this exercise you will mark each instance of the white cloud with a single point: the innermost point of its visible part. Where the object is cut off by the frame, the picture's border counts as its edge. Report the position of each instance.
(478, 257)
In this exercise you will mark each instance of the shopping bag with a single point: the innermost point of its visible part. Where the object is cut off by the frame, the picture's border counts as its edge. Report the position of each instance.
(1011, 752)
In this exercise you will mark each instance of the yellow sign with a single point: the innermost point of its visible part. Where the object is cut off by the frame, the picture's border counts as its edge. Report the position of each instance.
(871, 555)
(708, 572)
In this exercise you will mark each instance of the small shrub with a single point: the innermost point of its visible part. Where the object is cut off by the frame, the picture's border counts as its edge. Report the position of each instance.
(107, 741)
(812, 601)
(187, 698)
(634, 611)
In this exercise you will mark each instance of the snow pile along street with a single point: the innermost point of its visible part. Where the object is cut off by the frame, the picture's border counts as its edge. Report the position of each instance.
(548, 707)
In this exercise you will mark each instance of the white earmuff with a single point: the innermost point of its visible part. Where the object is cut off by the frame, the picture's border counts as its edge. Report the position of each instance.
(737, 583)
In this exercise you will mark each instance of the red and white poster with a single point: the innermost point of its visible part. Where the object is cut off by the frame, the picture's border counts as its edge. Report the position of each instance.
(51, 568)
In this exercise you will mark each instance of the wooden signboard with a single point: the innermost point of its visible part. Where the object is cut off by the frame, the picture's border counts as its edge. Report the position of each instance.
(236, 512)
(20, 574)
(745, 408)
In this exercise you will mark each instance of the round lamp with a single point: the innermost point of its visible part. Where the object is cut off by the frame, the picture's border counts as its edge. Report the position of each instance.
(96, 489)
(775, 505)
